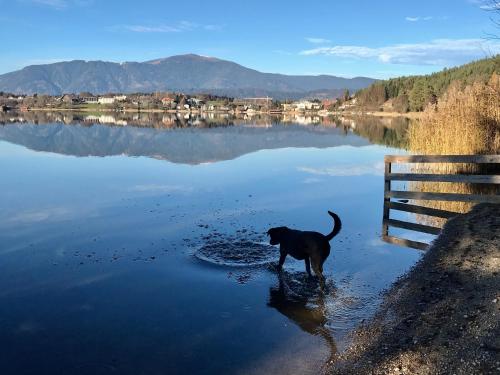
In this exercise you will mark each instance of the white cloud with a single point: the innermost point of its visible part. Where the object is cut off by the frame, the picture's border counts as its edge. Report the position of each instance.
(318, 40)
(186, 25)
(59, 4)
(151, 29)
(486, 4)
(52, 3)
(48, 214)
(490, 6)
(442, 52)
(415, 19)
(376, 169)
(155, 188)
(180, 26)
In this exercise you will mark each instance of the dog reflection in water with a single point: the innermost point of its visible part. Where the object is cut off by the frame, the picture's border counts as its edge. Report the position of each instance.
(299, 299)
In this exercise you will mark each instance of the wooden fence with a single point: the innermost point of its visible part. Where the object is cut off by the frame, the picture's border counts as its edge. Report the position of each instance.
(412, 196)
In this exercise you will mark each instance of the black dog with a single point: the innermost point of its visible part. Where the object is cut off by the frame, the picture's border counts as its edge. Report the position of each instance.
(312, 247)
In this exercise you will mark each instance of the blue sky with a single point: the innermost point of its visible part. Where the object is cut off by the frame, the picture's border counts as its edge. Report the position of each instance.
(347, 38)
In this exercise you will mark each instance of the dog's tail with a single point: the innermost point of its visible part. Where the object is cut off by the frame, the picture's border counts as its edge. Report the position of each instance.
(336, 228)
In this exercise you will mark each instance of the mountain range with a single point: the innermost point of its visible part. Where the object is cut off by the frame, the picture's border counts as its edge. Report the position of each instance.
(185, 73)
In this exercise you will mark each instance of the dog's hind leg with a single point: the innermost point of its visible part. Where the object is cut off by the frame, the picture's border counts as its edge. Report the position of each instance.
(308, 266)
(317, 267)
(321, 279)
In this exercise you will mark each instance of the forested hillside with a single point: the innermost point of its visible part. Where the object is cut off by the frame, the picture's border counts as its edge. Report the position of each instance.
(415, 92)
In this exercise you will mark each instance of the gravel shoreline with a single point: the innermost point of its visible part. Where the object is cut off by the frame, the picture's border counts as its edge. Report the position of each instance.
(442, 317)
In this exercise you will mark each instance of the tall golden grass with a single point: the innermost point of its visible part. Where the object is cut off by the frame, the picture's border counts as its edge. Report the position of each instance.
(466, 121)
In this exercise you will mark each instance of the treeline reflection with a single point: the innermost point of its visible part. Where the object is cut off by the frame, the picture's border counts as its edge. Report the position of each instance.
(384, 131)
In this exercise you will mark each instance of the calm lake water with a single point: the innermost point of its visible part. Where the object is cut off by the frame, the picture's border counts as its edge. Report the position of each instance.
(141, 249)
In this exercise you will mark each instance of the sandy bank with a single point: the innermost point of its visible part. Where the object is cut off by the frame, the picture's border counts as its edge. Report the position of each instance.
(443, 316)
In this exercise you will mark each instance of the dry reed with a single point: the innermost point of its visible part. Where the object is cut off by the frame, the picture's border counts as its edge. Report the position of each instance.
(464, 122)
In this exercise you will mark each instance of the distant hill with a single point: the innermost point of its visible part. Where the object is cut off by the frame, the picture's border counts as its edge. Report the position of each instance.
(413, 93)
(186, 73)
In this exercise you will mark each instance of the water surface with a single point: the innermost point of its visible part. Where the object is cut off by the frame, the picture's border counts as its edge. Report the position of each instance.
(101, 229)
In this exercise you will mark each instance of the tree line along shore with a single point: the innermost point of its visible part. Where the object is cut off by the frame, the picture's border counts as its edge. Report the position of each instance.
(171, 102)
(408, 96)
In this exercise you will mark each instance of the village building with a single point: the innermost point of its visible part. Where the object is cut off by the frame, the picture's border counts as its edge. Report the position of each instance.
(348, 104)
(168, 101)
(195, 102)
(263, 102)
(306, 105)
(106, 100)
(326, 103)
(70, 99)
(18, 98)
(90, 99)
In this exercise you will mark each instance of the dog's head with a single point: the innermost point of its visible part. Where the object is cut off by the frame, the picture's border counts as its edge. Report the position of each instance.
(276, 234)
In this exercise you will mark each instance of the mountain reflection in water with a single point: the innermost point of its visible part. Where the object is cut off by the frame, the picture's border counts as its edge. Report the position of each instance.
(190, 139)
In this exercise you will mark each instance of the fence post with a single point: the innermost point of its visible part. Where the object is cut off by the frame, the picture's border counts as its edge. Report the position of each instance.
(387, 188)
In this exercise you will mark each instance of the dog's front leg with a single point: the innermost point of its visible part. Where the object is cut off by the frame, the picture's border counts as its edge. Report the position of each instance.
(308, 266)
(283, 255)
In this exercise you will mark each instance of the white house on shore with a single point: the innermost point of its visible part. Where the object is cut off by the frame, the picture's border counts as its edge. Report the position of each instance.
(302, 105)
(104, 99)
(90, 99)
(306, 105)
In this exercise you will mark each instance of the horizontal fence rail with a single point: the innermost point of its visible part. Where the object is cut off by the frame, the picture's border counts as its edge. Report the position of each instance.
(450, 197)
(422, 210)
(473, 179)
(474, 159)
(412, 226)
(405, 196)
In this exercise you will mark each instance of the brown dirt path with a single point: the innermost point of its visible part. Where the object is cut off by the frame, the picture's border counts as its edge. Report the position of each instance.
(443, 316)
